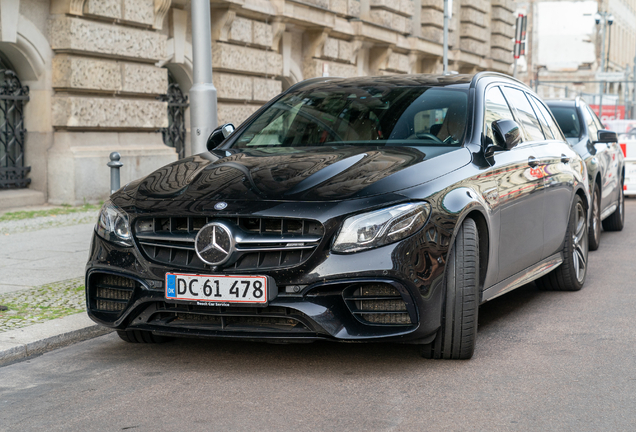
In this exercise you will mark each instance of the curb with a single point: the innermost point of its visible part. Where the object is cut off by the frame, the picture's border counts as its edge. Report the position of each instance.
(37, 339)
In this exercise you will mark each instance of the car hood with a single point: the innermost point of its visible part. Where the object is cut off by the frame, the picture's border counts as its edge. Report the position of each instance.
(296, 174)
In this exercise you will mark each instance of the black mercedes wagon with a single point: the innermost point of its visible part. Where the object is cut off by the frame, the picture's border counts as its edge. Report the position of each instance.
(362, 209)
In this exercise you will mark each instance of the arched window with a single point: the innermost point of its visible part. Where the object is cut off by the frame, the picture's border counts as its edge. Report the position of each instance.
(13, 173)
(175, 134)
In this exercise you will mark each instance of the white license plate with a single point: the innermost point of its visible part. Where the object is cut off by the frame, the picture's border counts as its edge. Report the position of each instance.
(219, 290)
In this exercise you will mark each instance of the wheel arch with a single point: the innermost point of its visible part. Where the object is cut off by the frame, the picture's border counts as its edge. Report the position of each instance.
(467, 203)
(581, 193)
(484, 243)
(586, 203)
(623, 174)
(597, 181)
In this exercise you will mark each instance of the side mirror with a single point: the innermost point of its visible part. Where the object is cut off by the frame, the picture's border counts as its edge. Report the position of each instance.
(507, 135)
(606, 136)
(218, 135)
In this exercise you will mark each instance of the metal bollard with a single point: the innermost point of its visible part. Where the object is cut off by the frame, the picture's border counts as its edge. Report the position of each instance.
(114, 165)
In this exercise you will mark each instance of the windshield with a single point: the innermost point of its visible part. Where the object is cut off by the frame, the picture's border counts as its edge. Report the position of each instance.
(343, 115)
(568, 120)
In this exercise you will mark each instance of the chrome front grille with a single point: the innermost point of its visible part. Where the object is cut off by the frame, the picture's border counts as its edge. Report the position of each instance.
(261, 243)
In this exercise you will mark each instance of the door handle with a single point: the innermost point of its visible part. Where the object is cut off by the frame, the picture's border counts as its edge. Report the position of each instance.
(564, 158)
(533, 161)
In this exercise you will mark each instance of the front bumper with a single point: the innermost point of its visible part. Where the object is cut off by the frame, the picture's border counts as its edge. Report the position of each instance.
(319, 310)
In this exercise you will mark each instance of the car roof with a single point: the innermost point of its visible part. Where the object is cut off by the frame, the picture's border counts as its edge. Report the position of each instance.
(428, 80)
(571, 103)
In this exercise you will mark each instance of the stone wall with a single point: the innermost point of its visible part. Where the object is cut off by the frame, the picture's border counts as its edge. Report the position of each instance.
(247, 69)
(287, 41)
(502, 30)
(94, 85)
(105, 85)
(474, 32)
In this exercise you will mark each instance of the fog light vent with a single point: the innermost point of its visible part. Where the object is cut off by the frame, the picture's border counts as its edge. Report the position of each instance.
(378, 303)
(374, 290)
(113, 294)
(110, 306)
(379, 318)
(110, 293)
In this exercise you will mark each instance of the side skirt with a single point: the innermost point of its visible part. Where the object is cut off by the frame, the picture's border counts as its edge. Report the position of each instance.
(608, 211)
(523, 277)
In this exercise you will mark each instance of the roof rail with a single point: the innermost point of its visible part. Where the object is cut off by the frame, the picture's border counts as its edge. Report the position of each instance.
(308, 81)
(483, 74)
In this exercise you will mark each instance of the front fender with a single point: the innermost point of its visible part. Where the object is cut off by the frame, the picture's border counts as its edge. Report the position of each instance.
(464, 202)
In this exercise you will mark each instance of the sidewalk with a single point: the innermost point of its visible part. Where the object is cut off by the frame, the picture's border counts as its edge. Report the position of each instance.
(42, 263)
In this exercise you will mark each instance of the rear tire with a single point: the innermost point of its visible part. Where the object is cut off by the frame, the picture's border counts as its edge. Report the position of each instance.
(458, 333)
(595, 220)
(570, 275)
(141, 336)
(616, 220)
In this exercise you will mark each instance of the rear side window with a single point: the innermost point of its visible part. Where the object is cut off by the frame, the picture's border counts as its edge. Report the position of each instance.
(496, 109)
(595, 118)
(524, 113)
(589, 121)
(599, 123)
(545, 113)
(544, 123)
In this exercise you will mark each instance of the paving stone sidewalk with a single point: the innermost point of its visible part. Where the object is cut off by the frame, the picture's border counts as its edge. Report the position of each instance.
(39, 304)
(43, 250)
(42, 263)
(45, 222)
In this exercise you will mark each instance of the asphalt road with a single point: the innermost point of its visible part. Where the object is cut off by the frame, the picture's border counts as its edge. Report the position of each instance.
(545, 361)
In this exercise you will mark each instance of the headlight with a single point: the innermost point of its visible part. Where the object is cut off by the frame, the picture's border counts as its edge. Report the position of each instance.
(113, 225)
(380, 227)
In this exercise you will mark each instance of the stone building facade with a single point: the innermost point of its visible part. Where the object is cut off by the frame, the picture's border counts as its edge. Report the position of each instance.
(96, 69)
(565, 59)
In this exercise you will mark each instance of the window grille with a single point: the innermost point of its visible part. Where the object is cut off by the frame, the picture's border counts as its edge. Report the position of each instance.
(175, 134)
(13, 96)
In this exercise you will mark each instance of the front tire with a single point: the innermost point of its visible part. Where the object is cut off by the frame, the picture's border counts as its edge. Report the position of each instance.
(595, 220)
(570, 275)
(616, 220)
(458, 333)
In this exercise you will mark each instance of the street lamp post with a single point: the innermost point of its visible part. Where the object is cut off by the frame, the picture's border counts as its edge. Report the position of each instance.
(633, 112)
(609, 45)
(203, 116)
(448, 10)
(603, 19)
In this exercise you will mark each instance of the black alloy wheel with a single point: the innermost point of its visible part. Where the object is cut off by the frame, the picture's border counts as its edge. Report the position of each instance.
(457, 335)
(141, 336)
(616, 220)
(595, 220)
(570, 275)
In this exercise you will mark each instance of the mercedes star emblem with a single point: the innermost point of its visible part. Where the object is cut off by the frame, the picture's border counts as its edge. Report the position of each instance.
(214, 243)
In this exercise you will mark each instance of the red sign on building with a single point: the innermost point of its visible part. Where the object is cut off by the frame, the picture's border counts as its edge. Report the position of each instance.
(610, 112)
